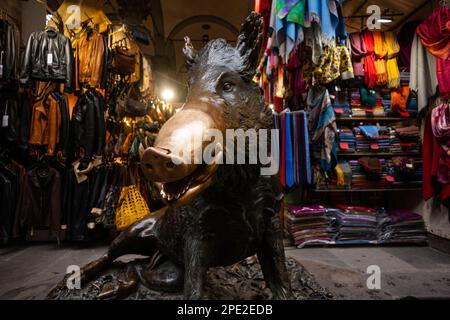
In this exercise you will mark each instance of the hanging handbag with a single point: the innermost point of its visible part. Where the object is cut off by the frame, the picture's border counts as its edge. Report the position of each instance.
(124, 60)
(130, 107)
(131, 206)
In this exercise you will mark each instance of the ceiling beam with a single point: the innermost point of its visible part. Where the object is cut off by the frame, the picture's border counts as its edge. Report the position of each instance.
(409, 15)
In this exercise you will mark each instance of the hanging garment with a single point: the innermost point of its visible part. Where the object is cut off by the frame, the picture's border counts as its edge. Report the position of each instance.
(405, 39)
(358, 53)
(322, 125)
(48, 57)
(9, 49)
(39, 204)
(324, 13)
(435, 166)
(46, 120)
(391, 62)
(380, 53)
(89, 52)
(434, 33)
(289, 167)
(370, 71)
(423, 78)
(283, 150)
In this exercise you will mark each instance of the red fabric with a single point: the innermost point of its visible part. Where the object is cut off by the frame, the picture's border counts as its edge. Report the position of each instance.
(370, 71)
(431, 153)
(443, 75)
(434, 33)
(283, 158)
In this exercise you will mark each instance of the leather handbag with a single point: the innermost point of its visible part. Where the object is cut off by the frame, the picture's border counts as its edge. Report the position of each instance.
(140, 34)
(124, 60)
(131, 206)
(129, 107)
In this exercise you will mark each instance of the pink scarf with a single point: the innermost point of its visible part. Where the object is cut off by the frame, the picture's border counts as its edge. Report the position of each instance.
(440, 121)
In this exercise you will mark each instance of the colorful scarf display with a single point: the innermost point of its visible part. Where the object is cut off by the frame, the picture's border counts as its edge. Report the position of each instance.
(380, 52)
(391, 63)
(370, 71)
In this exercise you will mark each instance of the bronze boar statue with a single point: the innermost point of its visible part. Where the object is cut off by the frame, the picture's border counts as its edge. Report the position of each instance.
(216, 214)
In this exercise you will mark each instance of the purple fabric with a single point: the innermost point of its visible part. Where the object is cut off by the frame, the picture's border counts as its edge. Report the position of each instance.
(398, 215)
(405, 39)
(307, 210)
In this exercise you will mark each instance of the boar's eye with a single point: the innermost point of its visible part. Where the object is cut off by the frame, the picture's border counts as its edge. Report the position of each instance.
(227, 87)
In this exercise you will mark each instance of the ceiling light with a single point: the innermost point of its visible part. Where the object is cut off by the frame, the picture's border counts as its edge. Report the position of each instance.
(167, 94)
(384, 20)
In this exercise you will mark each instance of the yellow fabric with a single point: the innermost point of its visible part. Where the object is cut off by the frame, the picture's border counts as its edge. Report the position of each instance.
(391, 63)
(380, 53)
(131, 207)
(340, 176)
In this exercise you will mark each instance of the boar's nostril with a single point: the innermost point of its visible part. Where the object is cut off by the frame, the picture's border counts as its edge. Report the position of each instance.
(170, 165)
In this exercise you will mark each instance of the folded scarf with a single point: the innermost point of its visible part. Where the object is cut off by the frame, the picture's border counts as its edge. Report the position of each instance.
(434, 33)
(358, 52)
(391, 63)
(370, 71)
(380, 52)
(399, 98)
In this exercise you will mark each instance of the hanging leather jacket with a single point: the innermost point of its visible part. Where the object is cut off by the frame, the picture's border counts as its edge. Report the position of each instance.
(88, 125)
(48, 56)
(8, 51)
(89, 59)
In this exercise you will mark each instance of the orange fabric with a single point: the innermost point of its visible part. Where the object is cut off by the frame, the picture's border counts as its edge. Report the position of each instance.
(89, 54)
(72, 101)
(380, 54)
(399, 98)
(45, 120)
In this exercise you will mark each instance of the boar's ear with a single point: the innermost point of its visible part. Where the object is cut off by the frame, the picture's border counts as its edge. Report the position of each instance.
(189, 52)
(249, 43)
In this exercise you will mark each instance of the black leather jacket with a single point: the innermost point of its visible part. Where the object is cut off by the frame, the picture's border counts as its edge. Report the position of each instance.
(8, 50)
(48, 56)
(88, 125)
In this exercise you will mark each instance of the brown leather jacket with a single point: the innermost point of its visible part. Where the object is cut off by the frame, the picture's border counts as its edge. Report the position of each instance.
(89, 51)
(45, 120)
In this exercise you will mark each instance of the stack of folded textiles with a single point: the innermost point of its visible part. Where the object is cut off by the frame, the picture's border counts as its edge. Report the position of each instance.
(401, 226)
(405, 169)
(378, 109)
(346, 139)
(409, 138)
(385, 95)
(412, 106)
(341, 106)
(395, 141)
(360, 178)
(355, 224)
(379, 142)
(309, 224)
(355, 103)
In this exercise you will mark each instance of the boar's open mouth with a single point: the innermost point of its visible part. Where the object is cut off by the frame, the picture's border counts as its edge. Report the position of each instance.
(185, 189)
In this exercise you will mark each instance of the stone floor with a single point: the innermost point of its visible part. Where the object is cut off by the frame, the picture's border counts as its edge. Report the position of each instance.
(29, 272)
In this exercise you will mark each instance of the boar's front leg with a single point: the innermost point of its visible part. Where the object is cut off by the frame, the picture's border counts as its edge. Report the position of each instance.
(195, 269)
(272, 260)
